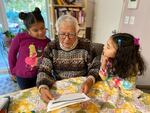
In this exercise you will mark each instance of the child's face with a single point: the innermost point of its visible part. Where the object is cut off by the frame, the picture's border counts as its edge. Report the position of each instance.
(37, 30)
(110, 49)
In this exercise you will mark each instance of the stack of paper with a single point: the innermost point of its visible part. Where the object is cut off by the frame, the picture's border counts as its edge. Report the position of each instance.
(4, 102)
(65, 100)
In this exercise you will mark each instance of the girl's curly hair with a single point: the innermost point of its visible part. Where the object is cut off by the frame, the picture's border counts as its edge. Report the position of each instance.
(128, 59)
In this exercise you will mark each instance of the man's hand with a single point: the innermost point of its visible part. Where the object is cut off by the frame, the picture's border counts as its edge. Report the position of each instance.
(85, 89)
(46, 95)
(86, 86)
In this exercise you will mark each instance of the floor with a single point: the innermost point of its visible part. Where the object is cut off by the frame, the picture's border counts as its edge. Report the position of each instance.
(6, 84)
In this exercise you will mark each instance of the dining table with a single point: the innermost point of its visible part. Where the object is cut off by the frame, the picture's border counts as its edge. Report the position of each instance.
(102, 99)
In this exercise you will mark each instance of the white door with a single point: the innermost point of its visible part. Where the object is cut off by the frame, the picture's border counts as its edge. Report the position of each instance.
(107, 18)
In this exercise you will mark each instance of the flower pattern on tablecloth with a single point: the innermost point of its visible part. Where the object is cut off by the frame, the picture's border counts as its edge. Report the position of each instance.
(103, 99)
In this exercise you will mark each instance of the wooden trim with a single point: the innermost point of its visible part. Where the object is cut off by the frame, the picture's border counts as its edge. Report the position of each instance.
(143, 87)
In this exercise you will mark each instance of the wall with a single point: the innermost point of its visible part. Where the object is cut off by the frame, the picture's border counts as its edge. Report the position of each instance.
(106, 19)
(89, 13)
(141, 29)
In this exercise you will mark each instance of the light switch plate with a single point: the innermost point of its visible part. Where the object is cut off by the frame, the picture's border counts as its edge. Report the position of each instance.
(126, 19)
(132, 4)
(132, 20)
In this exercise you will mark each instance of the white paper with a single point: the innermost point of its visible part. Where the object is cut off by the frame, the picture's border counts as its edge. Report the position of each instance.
(3, 101)
(65, 100)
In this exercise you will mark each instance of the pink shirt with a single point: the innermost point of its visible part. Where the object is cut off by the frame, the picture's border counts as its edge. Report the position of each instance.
(25, 54)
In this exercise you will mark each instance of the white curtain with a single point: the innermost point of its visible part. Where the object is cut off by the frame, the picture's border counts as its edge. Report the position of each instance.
(3, 19)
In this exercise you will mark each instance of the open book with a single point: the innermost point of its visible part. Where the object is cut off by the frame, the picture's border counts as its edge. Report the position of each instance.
(65, 100)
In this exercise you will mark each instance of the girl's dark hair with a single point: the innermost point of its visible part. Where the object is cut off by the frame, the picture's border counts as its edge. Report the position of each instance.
(128, 59)
(31, 17)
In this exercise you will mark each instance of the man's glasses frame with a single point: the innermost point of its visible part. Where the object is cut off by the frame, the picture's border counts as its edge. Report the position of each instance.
(69, 35)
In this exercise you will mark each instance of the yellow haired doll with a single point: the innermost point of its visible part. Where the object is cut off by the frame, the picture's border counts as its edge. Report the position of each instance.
(32, 59)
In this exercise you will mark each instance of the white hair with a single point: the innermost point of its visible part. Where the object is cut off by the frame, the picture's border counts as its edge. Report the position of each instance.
(68, 19)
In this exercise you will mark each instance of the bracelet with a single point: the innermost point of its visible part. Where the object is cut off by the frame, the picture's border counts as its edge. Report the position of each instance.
(103, 74)
(102, 71)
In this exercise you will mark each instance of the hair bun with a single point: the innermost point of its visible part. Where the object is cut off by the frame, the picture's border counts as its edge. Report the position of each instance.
(37, 10)
(22, 15)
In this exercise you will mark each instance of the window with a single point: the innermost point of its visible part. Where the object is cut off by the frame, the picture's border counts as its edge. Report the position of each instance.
(13, 7)
(9, 20)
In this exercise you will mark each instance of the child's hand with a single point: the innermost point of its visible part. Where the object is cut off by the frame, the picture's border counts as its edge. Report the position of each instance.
(13, 78)
(103, 61)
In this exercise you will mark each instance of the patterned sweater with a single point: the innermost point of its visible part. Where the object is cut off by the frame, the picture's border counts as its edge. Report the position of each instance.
(58, 64)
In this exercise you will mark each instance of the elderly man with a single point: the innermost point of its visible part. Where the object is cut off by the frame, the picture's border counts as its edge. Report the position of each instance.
(66, 57)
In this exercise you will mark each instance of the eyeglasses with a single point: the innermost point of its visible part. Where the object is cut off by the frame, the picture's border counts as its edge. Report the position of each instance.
(69, 35)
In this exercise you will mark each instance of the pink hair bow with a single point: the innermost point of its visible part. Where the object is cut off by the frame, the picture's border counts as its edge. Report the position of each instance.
(136, 41)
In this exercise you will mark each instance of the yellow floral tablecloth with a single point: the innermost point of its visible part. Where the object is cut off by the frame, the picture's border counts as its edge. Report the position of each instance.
(103, 99)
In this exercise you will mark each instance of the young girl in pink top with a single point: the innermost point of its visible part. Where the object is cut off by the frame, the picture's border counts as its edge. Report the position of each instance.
(25, 53)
